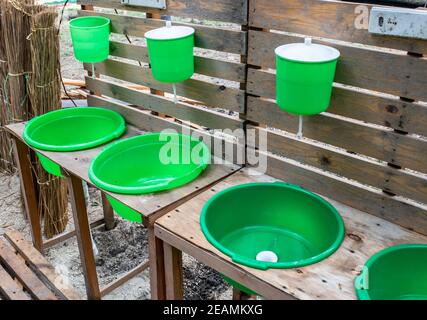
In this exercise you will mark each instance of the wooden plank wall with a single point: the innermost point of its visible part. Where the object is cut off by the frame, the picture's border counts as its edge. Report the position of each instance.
(213, 99)
(370, 149)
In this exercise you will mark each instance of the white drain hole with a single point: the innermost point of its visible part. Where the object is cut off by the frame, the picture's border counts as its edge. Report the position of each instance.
(267, 256)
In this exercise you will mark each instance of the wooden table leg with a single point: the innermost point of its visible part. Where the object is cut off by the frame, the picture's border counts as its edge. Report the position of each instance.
(22, 157)
(110, 222)
(157, 268)
(173, 272)
(84, 238)
(237, 294)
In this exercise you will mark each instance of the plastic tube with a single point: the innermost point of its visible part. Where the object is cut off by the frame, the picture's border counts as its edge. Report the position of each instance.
(300, 127)
(175, 99)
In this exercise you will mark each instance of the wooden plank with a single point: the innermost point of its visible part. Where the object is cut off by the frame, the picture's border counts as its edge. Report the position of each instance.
(123, 279)
(28, 279)
(362, 198)
(329, 279)
(9, 289)
(368, 172)
(173, 272)
(84, 238)
(384, 144)
(157, 267)
(368, 107)
(40, 266)
(65, 236)
(206, 66)
(182, 111)
(206, 37)
(208, 93)
(110, 221)
(356, 67)
(328, 19)
(148, 122)
(22, 158)
(222, 10)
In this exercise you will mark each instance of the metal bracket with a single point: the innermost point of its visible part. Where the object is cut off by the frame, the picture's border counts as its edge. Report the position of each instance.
(399, 22)
(157, 4)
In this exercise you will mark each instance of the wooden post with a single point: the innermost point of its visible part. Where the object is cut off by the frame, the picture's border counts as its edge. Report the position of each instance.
(157, 268)
(109, 220)
(22, 158)
(173, 272)
(84, 238)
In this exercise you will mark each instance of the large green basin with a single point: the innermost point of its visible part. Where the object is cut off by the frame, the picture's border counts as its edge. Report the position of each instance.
(272, 225)
(396, 273)
(139, 165)
(72, 129)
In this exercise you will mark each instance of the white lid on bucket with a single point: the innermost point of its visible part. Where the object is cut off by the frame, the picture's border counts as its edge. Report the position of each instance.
(307, 52)
(169, 32)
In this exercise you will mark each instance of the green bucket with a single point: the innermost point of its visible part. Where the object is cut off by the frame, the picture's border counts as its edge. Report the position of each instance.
(72, 129)
(396, 273)
(171, 53)
(136, 166)
(305, 76)
(91, 38)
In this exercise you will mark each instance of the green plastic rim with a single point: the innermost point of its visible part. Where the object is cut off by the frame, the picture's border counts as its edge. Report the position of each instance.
(90, 22)
(91, 38)
(395, 273)
(133, 166)
(74, 129)
(303, 227)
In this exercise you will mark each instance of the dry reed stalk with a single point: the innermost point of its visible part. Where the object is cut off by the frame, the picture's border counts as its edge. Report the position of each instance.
(6, 157)
(15, 29)
(45, 95)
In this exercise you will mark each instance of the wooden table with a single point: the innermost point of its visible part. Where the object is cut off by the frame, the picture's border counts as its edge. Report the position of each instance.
(330, 279)
(75, 167)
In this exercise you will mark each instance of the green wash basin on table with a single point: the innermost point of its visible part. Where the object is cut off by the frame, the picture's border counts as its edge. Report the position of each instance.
(146, 164)
(272, 225)
(395, 273)
(72, 129)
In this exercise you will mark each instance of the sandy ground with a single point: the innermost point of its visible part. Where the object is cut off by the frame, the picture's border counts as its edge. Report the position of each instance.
(120, 249)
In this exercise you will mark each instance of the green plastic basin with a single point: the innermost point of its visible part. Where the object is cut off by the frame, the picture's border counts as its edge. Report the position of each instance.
(72, 129)
(91, 38)
(171, 53)
(396, 273)
(304, 79)
(148, 163)
(298, 227)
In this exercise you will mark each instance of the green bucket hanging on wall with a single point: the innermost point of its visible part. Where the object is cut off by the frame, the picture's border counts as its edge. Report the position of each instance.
(91, 38)
(171, 53)
(305, 75)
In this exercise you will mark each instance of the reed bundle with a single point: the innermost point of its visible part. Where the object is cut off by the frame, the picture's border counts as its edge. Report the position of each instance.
(6, 158)
(45, 96)
(30, 87)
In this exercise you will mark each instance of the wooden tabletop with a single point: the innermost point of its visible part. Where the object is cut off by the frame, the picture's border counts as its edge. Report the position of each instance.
(151, 206)
(332, 278)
